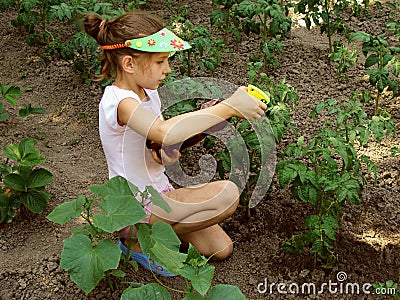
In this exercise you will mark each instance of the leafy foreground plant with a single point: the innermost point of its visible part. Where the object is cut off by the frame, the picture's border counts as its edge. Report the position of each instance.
(328, 171)
(20, 182)
(88, 255)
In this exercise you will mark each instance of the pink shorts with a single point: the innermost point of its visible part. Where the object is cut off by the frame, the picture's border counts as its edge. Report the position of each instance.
(148, 207)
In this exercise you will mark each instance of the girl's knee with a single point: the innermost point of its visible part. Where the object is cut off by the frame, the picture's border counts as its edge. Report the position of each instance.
(229, 194)
(230, 189)
(225, 251)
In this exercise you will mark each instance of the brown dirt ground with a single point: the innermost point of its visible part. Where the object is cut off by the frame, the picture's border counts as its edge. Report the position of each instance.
(30, 246)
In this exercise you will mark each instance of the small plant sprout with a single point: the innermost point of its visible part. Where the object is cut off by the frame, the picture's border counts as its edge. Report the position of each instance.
(21, 182)
(382, 62)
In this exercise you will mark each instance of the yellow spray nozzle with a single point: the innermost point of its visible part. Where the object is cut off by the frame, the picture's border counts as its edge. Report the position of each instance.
(259, 94)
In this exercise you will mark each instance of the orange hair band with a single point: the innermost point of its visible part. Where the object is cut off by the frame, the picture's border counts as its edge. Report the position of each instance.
(116, 46)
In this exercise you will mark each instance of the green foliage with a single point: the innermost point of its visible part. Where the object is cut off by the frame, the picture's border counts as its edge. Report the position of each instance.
(34, 18)
(81, 48)
(4, 4)
(283, 97)
(10, 94)
(23, 183)
(206, 51)
(384, 58)
(88, 255)
(226, 18)
(29, 110)
(324, 13)
(345, 58)
(393, 24)
(265, 18)
(328, 171)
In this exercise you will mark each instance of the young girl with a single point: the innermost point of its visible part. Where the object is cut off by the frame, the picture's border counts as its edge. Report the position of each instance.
(136, 48)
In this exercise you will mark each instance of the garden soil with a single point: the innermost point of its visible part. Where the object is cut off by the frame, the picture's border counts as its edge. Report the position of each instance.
(67, 135)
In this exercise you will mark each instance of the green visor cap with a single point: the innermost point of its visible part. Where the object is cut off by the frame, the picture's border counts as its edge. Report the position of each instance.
(161, 41)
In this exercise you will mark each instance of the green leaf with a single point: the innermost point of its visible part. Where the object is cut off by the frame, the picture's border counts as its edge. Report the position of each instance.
(161, 243)
(87, 229)
(156, 199)
(194, 296)
(86, 263)
(194, 258)
(225, 292)
(121, 211)
(118, 273)
(361, 36)
(39, 178)
(329, 224)
(200, 277)
(29, 110)
(371, 60)
(35, 200)
(14, 182)
(311, 221)
(24, 153)
(11, 93)
(6, 208)
(116, 186)
(148, 291)
(67, 211)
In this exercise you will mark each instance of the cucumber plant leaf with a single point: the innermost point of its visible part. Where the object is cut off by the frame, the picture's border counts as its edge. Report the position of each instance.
(121, 211)
(86, 263)
(148, 291)
(67, 211)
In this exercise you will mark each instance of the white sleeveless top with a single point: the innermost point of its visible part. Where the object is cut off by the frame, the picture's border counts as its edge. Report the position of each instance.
(125, 149)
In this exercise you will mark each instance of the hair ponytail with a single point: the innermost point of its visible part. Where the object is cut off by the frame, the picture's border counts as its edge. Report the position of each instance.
(91, 24)
(116, 31)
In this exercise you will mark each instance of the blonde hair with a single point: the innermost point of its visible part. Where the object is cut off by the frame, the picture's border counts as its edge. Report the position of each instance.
(116, 31)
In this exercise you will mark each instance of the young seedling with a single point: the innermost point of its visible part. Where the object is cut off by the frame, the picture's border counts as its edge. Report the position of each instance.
(10, 94)
(22, 182)
(386, 60)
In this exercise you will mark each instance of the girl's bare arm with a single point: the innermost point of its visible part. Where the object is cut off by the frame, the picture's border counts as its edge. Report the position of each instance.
(182, 127)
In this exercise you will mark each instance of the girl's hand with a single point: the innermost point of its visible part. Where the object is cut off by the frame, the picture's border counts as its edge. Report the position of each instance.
(170, 160)
(245, 106)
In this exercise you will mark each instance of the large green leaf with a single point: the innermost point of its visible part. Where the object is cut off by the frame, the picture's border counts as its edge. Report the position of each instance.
(116, 186)
(161, 243)
(200, 277)
(67, 211)
(121, 211)
(218, 292)
(86, 263)
(226, 292)
(148, 291)
(24, 153)
(11, 93)
(35, 200)
(156, 199)
(14, 182)
(39, 178)
(171, 259)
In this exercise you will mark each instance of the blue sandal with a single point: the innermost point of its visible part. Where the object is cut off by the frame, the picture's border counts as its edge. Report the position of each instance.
(145, 261)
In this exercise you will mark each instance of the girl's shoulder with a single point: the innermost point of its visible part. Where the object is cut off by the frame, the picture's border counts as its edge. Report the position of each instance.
(113, 93)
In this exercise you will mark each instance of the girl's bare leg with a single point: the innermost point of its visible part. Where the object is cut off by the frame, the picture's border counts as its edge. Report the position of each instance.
(196, 212)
